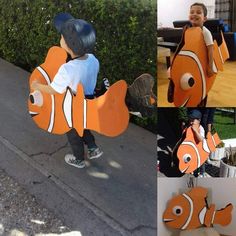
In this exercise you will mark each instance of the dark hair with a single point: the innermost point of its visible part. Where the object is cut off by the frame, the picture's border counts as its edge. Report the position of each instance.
(79, 36)
(201, 5)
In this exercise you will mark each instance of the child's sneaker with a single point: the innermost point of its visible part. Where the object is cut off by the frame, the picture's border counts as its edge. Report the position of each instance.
(71, 160)
(94, 153)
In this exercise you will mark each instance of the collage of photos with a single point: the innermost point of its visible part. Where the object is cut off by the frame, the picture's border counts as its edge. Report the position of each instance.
(196, 131)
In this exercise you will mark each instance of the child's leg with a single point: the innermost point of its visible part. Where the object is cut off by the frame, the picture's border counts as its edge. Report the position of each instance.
(93, 150)
(202, 169)
(76, 143)
(89, 139)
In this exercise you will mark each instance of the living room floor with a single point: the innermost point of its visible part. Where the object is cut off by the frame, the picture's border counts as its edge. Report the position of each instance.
(222, 94)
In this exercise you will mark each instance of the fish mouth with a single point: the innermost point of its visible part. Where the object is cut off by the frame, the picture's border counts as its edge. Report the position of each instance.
(168, 220)
(184, 170)
(186, 101)
(32, 113)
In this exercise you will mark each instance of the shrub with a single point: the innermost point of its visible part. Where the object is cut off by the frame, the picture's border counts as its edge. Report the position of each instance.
(126, 33)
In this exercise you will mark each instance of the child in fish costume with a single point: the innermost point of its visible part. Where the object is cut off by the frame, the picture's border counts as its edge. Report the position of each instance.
(78, 76)
(71, 111)
(196, 62)
(190, 211)
(194, 148)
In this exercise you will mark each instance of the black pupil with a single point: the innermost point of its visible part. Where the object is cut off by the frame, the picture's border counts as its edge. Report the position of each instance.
(31, 99)
(191, 82)
(188, 159)
(178, 211)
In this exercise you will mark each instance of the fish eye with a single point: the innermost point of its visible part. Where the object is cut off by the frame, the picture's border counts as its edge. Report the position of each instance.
(36, 98)
(187, 158)
(186, 81)
(177, 210)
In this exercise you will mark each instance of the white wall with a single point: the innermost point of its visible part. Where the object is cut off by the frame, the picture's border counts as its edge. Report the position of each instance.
(166, 189)
(171, 10)
(223, 191)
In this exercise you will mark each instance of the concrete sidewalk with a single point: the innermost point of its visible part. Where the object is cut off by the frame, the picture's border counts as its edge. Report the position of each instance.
(114, 195)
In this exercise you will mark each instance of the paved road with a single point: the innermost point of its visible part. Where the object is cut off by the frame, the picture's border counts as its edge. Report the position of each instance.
(114, 195)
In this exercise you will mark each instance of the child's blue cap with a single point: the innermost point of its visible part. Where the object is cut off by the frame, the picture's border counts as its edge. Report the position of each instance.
(195, 114)
(60, 19)
(79, 35)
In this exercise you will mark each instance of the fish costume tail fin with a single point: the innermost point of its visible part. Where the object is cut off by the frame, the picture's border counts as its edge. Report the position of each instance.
(224, 49)
(224, 215)
(216, 139)
(108, 114)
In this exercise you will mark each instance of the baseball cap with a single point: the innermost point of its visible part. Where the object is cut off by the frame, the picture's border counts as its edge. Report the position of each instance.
(195, 114)
(79, 35)
(60, 19)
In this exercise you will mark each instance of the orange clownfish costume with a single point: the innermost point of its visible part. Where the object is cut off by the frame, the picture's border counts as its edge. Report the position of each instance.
(192, 154)
(190, 211)
(59, 113)
(189, 66)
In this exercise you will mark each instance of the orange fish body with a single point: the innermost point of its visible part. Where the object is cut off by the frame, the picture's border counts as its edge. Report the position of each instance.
(59, 113)
(190, 211)
(193, 154)
(188, 70)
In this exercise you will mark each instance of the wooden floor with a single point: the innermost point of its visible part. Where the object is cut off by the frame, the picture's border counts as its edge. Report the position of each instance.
(222, 94)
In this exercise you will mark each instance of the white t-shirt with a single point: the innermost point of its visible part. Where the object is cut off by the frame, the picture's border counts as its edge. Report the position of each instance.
(77, 71)
(202, 131)
(207, 36)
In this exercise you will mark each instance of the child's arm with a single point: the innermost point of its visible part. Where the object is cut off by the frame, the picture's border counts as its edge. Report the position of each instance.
(210, 71)
(35, 85)
(197, 134)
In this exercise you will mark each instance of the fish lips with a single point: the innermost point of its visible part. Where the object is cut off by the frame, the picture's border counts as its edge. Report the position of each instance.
(184, 170)
(186, 102)
(168, 220)
(33, 114)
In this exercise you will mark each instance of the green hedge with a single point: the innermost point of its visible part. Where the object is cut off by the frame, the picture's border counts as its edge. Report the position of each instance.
(126, 33)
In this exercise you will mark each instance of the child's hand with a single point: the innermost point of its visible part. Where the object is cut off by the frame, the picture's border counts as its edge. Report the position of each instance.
(168, 73)
(210, 72)
(34, 85)
(194, 128)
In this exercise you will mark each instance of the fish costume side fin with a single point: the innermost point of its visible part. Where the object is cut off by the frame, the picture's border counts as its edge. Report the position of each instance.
(224, 215)
(208, 221)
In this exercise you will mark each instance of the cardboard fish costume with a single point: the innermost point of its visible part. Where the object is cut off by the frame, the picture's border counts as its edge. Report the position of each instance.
(58, 113)
(189, 66)
(190, 211)
(193, 154)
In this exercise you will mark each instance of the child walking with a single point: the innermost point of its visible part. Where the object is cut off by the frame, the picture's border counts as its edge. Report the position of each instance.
(78, 39)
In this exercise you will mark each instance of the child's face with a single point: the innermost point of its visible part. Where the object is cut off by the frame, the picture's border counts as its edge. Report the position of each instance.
(194, 122)
(196, 16)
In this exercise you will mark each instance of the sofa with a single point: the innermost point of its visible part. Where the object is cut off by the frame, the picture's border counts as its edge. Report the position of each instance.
(214, 25)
